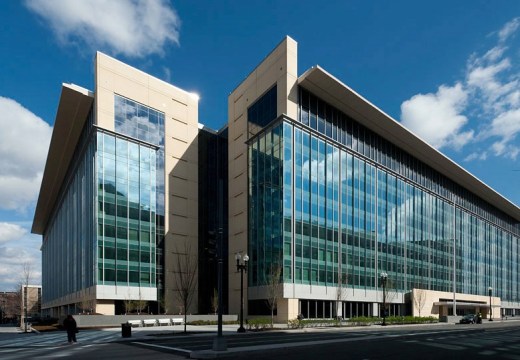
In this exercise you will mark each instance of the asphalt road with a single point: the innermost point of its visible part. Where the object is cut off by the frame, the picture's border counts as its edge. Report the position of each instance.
(499, 340)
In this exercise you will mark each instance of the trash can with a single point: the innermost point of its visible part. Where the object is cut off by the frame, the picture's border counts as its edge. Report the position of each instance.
(126, 330)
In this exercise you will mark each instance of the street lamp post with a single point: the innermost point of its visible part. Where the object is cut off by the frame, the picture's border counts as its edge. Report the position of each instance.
(490, 291)
(219, 343)
(241, 267)
(384, 277)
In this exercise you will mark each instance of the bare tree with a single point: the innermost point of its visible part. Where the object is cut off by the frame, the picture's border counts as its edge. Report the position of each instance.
(341, 290)
(87, 304)
(214, 301)
(274, 288)
(140, 303)
(419, 299)
(391, 292)
(129, 303)
(185, 272)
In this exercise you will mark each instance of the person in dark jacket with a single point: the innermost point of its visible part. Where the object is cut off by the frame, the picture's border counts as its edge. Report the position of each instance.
(72, 328)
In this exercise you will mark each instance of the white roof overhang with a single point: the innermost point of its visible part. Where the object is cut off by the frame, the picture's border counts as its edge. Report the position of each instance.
(73, 109)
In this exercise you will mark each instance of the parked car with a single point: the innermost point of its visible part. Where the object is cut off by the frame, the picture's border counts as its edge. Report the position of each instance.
(468, 319)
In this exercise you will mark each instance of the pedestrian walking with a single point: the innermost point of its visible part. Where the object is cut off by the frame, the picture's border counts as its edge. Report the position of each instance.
(72, 328)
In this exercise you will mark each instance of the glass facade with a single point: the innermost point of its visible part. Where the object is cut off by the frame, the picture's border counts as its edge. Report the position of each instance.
(327, 195)
(126, 175)
(69, 247)
(141, 122)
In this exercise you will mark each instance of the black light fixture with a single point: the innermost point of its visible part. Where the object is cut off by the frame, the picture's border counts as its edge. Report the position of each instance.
(242, 267)
(490, 291)
(384, 277)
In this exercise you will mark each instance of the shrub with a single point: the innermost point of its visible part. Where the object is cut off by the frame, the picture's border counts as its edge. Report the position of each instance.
(210, 322)
(259, 324)
(362, 321)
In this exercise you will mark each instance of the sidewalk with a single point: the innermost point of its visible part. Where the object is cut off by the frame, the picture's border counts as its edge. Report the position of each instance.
(11, 329)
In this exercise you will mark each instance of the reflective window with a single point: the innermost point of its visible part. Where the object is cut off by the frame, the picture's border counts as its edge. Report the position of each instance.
(126, 212)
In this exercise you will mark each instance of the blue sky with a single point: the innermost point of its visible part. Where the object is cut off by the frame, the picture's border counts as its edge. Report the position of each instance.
(450, 71)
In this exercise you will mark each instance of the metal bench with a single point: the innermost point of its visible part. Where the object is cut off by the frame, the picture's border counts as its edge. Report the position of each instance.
(163, 322)
(134, 322)
(149, 322)
(177, 321)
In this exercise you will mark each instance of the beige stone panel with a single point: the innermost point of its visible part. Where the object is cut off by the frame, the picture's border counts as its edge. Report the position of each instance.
(240, 133)
(193, 114)
(287, 101)
(193, 208)
(179, 168)
(240, 220)
(179, 205)
(278, 53)
(292, 97)
(179, 187)
(169, 90)
(178, 130)
(237, 202)
(177, 148)
(105, 109)
(105, 78)
(158, 101)
(193, 171)
(179, 111)
(105, 307)
(239, 106)
(269, 78)
(238, 169)
(189, 152)
(287, 309)
(240, 186)
(122, 69)
(178, 224)
(105, 120)
(128, 88)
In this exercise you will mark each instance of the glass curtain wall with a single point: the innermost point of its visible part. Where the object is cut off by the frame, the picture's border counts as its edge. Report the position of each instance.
(69, 247)
(344, 212)
(141, 122)
(265, 216)
(126, 175)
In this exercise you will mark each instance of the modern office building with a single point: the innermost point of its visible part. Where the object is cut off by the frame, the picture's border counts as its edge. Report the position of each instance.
(308, 178)
(118, 203)
(334, 191)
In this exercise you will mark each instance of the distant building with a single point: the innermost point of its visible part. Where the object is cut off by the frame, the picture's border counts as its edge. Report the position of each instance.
(9, 306)
(307, 177)
(30, 302)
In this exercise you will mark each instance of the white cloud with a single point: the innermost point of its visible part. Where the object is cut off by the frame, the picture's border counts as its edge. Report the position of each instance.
(476, 156)
(437, 117)
(488, 95)
(24, 143)
(135, 28)
(10, 232)
(23, 248)
(508, 29)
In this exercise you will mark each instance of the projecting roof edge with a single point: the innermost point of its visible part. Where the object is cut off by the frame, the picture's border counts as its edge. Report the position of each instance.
(73, 109)
(333, 91)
